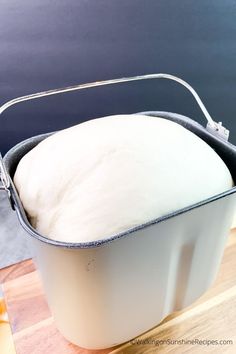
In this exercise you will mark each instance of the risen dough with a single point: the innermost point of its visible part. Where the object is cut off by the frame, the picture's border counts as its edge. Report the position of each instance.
(110, 174)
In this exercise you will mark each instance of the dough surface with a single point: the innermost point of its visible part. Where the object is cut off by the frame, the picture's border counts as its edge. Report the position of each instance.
(107, 175)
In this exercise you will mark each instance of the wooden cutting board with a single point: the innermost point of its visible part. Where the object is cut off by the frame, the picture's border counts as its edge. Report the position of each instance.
(211, 318)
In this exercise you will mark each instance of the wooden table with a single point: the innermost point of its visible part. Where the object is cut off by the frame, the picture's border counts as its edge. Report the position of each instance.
(212, 317)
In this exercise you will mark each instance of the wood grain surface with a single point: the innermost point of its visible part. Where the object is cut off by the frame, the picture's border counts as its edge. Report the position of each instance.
(211, 319)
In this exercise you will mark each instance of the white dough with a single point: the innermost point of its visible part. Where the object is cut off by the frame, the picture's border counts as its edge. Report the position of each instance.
(110, 174)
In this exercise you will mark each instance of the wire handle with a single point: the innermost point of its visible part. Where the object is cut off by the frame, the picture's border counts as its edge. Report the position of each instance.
(212, 126)
(110, 82)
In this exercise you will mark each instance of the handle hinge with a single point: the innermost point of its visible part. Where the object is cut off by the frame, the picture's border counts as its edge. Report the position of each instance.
(5, 181)
(218, 130)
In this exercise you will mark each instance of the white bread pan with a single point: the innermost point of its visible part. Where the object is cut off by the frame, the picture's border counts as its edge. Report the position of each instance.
(106, 292)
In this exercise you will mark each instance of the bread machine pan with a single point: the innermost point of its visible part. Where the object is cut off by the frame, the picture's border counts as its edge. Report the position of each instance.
(106, 292)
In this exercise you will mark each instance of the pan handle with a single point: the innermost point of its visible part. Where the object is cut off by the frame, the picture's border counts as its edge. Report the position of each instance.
(212, 126)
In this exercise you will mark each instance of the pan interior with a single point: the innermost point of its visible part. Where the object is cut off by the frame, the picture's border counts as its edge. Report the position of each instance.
(223, 148)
